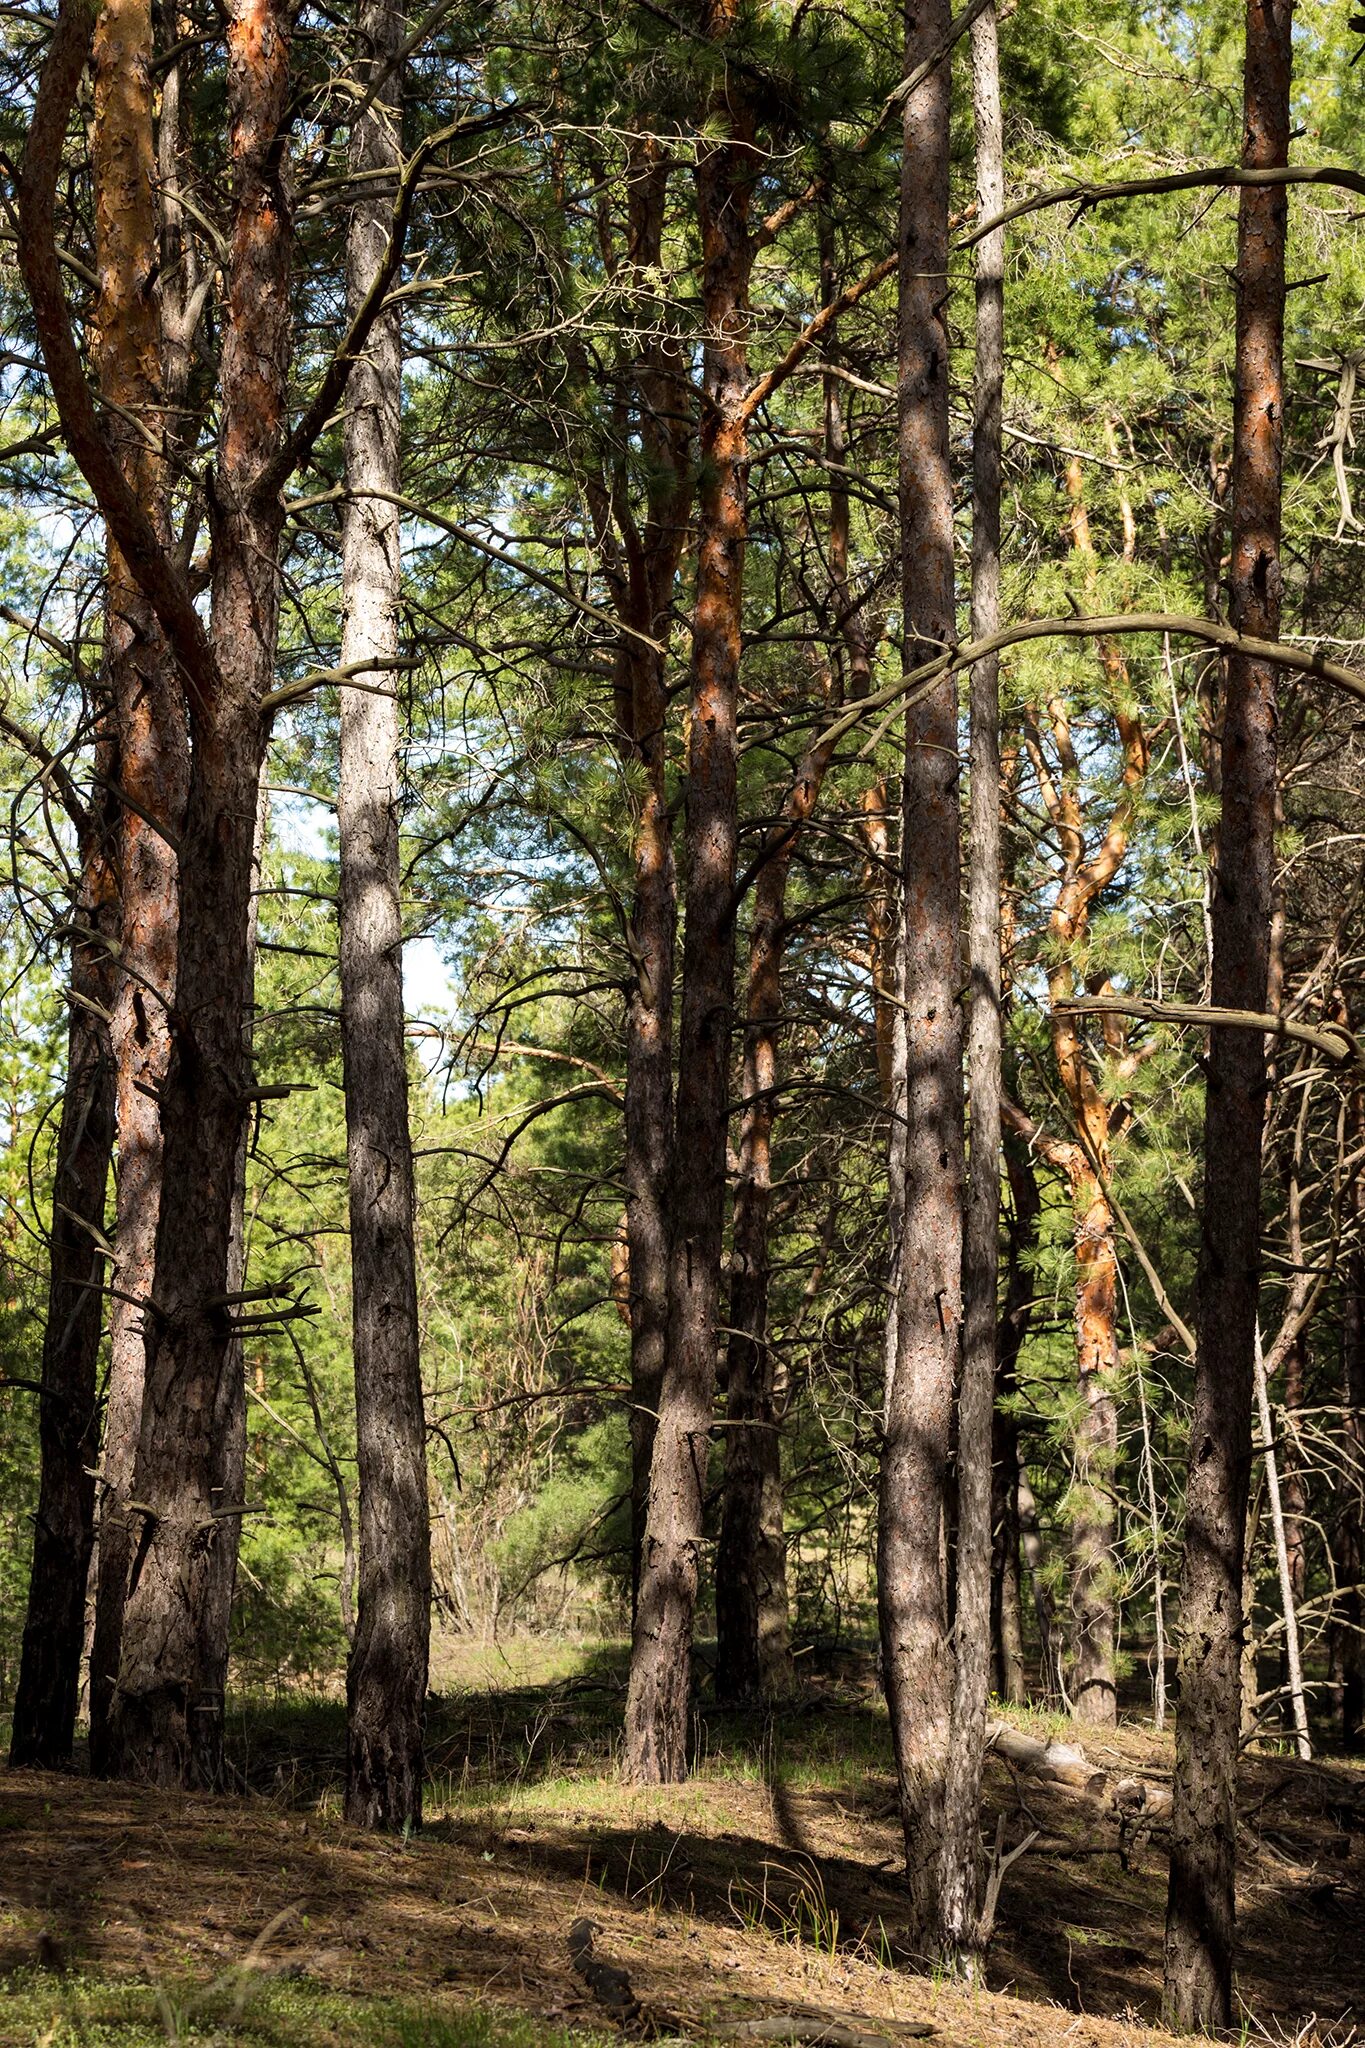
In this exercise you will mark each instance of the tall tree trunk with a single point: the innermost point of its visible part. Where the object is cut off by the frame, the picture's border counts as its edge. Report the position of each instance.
(68, 1415)
(964, 1932)
(1202, 1905)
(386, 1679)
(167, 1716)
(660, 1672)
(665, 427)
(153, 756)
(753, 1633)
(922, 1371)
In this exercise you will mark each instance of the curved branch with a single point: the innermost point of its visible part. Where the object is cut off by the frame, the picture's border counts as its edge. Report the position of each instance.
(1085, 195)
(1332, 1039)
(126, 518)
(918, 682)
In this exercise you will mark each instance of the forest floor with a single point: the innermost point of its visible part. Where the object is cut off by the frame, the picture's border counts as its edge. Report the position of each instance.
(766, 1886)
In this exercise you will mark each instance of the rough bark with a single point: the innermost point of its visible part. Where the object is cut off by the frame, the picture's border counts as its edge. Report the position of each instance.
(386, 1679)
(68, 1416)
(166, 1721)
(653, 553)
(153, 762)
(922, 1367)
(1201, 1906)
(964, 1931)
(660, 1675)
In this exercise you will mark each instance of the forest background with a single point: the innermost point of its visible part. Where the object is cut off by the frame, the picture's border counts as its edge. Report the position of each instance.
(532, 293)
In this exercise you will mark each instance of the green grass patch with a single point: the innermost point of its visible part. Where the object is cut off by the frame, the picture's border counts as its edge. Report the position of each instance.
(40, 2010)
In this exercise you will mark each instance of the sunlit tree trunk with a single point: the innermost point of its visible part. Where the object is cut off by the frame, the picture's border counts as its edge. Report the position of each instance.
(922, 1357)
(386, 1679)
(964, 1931)
(1202, 1902)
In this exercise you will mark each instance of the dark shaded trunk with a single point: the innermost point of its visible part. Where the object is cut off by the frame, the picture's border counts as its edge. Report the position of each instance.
(1350, 1538)
(660, 1673)
(167, 1717)
(153, 758)
(386, 1678)
(1007, 1606)
(665, 427)
(922, 1364)
(965, 1928)
(1201, 1907)
(753, 1647)
(68, 1415)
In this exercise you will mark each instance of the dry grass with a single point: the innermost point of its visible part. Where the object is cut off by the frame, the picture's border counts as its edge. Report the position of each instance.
(768, 1882)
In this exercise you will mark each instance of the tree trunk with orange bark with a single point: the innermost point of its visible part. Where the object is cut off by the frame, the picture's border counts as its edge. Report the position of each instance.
(1088, 867)
(660, 1674)
(1201, 1916)
(134, 236)
(166, 1722)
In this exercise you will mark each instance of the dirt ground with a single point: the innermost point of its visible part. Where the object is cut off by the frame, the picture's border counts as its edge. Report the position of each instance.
(745, 1893)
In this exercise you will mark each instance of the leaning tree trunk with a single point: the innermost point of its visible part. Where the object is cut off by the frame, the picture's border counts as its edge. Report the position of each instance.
(965, 1932)
(386, 1679)
(660, 1666)
(1202, 1901)
(922, 1368)
(153, 765)
(68, 1416)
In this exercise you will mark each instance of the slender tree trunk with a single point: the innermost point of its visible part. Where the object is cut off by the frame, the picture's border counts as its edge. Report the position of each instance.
(1201, 1908)
(153, 760)
(1093, 1563)
(166, 1722)
(1007, 1617)
(753, 1648)
(1294, 1497)
(68, 1416)
(1353, 1547)
(386, 1680)
(665, 427)
(1295, 1704)
(660, 1675)
(964, 1932)
(753, 1637)
(922, 1373)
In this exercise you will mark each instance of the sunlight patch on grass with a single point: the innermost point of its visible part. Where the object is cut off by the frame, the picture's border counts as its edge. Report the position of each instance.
(40, 2010)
